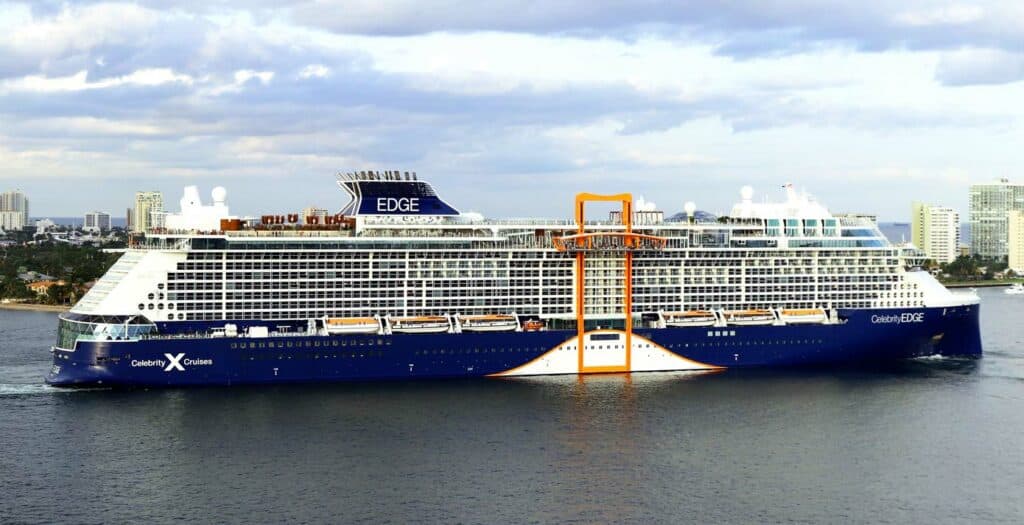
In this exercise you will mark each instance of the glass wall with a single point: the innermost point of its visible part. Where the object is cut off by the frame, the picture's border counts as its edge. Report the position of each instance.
(73, 327)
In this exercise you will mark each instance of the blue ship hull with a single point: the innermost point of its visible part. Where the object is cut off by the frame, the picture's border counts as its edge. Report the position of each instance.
(862, 336)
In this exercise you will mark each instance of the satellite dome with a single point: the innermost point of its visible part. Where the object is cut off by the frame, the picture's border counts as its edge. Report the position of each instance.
(219, 194)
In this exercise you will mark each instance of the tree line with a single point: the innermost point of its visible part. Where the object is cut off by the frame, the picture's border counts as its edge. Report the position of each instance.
(75, 265)
(973, 268)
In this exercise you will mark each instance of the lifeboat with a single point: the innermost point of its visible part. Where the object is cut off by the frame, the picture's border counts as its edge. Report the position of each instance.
(533, 325)
(749, 317)
(803, 316)
(488, 323)
(691, 318)
(351, 325)
(428, 324)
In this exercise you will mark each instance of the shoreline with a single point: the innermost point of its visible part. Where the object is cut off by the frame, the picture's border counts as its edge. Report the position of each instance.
(30, 307)
(979, 284)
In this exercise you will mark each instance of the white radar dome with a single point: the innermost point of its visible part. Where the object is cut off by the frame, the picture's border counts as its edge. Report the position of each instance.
(689, 208)
(219, 194)
(747, 193)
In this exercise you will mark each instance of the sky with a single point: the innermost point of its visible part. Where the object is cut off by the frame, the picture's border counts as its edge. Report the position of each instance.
(511, 107)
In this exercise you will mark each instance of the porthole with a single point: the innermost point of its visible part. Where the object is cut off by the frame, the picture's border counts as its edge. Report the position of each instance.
(142, 306)
(151, 296)
(160, 286)
(150, 306)
(160, 306)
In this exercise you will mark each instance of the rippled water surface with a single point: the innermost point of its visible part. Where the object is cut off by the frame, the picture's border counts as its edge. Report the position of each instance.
(933, 440)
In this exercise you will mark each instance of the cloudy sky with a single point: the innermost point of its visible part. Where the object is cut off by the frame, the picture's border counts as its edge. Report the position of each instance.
(510, 107)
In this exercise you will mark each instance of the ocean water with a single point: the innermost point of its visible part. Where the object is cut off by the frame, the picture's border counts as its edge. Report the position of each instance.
(927, 441)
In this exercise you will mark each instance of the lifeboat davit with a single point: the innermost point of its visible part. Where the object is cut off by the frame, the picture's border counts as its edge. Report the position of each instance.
(488, 323)
(351, 325)
(803, 316)
(427, 324)
(691, 318)
(749, 317)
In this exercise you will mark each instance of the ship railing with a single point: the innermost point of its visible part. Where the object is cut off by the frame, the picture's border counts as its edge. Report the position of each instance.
(459, 221)
(288, 233)
(210, 335)
(605, 241)
(857, 222)
(163, 244)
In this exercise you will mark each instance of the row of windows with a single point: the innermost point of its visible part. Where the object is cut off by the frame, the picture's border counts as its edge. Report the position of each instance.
(357, 312)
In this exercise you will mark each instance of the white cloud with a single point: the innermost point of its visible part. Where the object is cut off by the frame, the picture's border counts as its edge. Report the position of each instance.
(975, 66)
(315, 71)
(81, 28)
(244, 75)
(239, 79)
(576, 93)
(80, 81)
(945, 15)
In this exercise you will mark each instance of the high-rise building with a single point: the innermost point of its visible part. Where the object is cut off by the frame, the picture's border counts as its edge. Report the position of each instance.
(990, 206)
(44, 225)
(935, 230)
(96, 221)
(313, 211)
(1015, 240)
(13, 210)
(149, 211)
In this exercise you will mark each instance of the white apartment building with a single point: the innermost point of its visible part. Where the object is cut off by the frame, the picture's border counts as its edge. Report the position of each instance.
(1015, 238)
(96, 221)
(313, 211)
(13, 210)
(990, 205)
(148, 212)
(935, 230)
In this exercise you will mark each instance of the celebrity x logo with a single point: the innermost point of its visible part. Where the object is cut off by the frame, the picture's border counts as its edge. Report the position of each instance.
(174, 362)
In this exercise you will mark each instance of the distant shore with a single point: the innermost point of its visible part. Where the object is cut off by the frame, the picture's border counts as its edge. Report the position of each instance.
(35, 307)
(979, 284)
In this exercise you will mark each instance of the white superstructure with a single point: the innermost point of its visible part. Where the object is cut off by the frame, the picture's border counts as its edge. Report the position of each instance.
(196, 216)
(791, 255)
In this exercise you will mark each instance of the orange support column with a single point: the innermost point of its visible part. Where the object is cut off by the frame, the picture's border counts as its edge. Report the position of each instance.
(627, 220)
(579, 310)
(628, 303)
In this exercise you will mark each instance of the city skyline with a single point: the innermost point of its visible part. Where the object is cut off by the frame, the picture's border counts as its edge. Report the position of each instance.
(320, 210)
(867, 107)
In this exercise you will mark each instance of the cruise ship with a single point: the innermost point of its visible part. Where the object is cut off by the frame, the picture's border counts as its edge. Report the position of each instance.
(399, 284)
